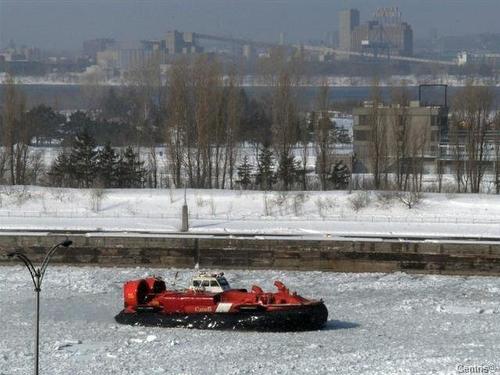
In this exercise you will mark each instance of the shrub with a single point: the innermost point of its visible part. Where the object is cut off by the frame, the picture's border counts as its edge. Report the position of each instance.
(410, 198)
(359, 200)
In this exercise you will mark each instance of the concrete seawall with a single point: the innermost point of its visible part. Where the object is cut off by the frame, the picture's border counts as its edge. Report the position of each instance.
(341, 255)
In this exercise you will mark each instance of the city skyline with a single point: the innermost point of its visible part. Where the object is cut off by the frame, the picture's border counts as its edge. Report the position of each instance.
(40, 23)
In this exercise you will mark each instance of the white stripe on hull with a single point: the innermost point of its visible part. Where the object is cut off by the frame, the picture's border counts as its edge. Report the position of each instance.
(223, 307)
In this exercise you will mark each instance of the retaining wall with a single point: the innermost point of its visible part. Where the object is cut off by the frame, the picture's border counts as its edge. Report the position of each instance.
(251, 253)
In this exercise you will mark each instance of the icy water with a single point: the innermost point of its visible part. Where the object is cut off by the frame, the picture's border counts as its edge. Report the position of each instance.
(75, 96)
(378, 324)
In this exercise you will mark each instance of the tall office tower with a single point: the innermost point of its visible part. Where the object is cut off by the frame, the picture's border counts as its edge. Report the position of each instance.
(282, 38)
(348, 20)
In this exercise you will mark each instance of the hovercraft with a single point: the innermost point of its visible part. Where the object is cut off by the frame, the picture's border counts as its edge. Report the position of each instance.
(210, 303)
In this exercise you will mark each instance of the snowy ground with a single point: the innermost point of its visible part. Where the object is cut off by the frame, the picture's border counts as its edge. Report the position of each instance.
(378, 324)
(311, 214)
(255, 80)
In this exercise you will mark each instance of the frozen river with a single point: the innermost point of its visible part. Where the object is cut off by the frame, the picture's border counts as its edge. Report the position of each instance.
(378, 323)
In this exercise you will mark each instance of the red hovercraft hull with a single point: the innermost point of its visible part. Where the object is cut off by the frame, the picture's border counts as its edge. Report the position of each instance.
(148, 303)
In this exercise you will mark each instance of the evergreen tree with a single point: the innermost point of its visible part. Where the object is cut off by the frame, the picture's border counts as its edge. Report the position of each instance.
(266, 177)
(83, 160)
(342, 135)
(287, 171)
(340, 176)
(107, 161)
(79, 122)
(130, 170)
(44, 123)
(115, 105)
(245, 173)
(60, 171)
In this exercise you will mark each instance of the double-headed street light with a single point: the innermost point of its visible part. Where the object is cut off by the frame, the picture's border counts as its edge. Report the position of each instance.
(37, 277)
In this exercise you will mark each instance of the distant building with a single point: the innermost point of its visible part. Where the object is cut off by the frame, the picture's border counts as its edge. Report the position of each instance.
(489, 59)
(385, 34)
(248, 51)
(282, 40)
(120, 57)
(127, 56)
(348, 21)
(91, 47)
(181, 42)
(378, 38)
(21, 60)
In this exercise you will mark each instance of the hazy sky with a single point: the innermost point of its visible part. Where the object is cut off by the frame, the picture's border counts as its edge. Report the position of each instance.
(64, 24)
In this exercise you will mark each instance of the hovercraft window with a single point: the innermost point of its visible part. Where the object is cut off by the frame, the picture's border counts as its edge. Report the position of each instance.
(196, 283)
(205, 283)
(214, 283)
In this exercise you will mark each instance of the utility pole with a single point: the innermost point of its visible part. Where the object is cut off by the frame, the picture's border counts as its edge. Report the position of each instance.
(37, 278)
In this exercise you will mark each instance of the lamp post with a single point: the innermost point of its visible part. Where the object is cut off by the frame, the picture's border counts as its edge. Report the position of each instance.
(185, 214)
(37, 277)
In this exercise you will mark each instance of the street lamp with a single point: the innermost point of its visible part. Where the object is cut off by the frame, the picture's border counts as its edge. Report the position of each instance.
(185, 214)
(37, 277)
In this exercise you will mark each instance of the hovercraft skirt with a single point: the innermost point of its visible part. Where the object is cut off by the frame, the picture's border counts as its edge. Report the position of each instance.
(304, 318)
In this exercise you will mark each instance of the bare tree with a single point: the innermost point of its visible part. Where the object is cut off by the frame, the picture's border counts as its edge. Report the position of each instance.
(145, 90)
(218, 127)
(16, 133)
(440, 173)
(200, 156)
(153, 167)
(497, 153)
(378, 136)
(417, 146)
(232, 125)
(323, 133)
(473, 107)
(304, 141)
(457, 152)
(284, 117)
(178, 137)
(400, 135)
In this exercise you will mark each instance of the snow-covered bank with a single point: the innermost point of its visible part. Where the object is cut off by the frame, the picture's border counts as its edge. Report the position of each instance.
(259, 81)
(378, 324)
(214, 211)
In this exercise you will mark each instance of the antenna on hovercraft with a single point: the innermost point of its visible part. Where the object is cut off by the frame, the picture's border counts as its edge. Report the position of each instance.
(175, 279)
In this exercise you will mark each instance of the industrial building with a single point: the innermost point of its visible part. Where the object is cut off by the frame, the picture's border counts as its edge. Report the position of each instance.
(119, 57)
(385, 35)
(92, 47)
(181, 42)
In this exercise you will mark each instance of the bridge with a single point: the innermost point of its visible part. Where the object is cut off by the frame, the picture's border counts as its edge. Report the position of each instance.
(319, 49)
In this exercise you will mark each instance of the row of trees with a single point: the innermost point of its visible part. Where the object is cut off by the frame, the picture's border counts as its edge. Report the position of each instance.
(396, 146)
(475, 138)
(202, 115)
(207, 120)
(86, 166)
(265, 176)
(89, 159)
(204, 118)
